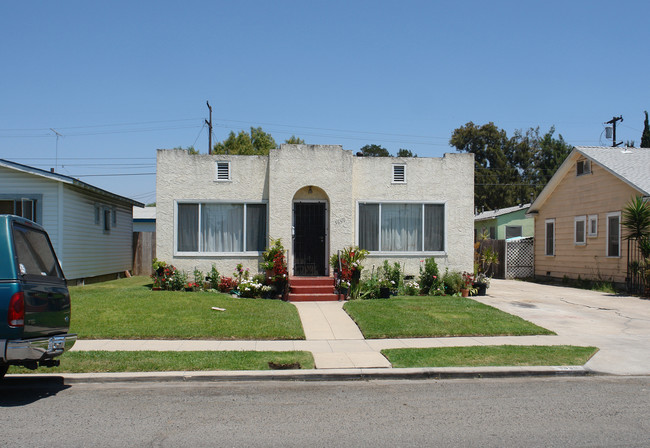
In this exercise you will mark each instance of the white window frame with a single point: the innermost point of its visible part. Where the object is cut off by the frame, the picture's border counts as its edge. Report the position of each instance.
(217, 254)
(402, 175)
(407, 253)
(609, 215)
(546, 223)
(216, 173)
(592, 219)
(580, 219)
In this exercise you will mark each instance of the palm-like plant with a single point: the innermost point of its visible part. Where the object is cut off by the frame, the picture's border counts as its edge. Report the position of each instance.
(636, 220)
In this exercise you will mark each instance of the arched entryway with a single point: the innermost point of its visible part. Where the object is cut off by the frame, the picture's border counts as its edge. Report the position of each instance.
(310, 232)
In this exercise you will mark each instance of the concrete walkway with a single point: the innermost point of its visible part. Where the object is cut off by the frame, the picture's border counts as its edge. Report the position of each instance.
(619, 326)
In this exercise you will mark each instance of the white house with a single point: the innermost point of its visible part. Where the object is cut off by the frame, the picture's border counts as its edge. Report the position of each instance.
(91, 229)
(222, 209)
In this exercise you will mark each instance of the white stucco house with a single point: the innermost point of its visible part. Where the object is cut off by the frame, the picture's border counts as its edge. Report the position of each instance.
(91, 229)
(222, 209)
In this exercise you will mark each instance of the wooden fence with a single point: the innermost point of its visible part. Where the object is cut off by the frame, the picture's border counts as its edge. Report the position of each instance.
(144, 251)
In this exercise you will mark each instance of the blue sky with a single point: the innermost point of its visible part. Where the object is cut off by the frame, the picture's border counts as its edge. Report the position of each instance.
(120, 79)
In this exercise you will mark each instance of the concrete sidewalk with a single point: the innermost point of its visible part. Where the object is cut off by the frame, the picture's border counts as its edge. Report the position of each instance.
(617, 325)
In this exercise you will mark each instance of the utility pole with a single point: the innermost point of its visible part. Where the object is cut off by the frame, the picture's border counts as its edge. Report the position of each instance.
(209, 123)
(613, 123)
(56, 154)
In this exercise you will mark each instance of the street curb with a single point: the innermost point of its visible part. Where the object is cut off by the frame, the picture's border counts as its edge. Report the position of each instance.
(438, 373)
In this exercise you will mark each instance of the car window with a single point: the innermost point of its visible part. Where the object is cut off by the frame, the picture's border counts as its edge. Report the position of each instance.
(34, 253)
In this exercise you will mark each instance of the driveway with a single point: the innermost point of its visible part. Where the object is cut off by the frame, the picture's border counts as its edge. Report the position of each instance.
(618, 325)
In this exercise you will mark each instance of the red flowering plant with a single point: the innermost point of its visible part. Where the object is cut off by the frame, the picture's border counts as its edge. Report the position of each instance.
(275, 266)
(164, 275)
(468, 280)
(227, 284)
(347, 266)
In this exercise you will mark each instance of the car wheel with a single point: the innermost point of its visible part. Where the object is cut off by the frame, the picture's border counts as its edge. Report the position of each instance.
(3, 370)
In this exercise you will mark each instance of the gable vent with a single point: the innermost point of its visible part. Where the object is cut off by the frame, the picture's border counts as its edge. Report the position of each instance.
(583, 167)
(223, 170)
(399, 174)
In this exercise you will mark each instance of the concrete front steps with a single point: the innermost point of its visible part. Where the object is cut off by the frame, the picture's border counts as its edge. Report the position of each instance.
(312, 289)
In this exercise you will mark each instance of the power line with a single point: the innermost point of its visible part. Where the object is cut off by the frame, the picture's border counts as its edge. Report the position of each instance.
(106, 175)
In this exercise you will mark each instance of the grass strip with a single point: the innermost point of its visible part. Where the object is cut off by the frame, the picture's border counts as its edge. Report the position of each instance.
(417, 317)
(129, 309)
(498, 355)
(166, 361)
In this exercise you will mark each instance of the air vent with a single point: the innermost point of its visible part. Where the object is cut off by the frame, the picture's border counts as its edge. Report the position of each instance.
(223, 170)
(399, 174)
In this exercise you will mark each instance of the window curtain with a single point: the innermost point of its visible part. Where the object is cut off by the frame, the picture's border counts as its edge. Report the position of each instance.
(401, 227)
(188, 228)
(222, 227)
(434, 227)
(255, 227)
(369, 226)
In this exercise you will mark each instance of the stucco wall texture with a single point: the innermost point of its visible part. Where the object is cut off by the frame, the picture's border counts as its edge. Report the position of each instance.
(336, 177)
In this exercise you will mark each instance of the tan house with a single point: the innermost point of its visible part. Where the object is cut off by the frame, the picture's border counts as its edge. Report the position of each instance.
(578, 214)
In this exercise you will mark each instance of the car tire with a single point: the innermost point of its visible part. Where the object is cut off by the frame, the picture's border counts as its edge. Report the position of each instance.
(3, 370)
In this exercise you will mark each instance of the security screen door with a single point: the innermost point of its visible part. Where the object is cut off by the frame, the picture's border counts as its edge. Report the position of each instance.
(309, 239)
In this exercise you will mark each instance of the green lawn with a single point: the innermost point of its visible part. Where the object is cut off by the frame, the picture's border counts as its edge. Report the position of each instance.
(129, 309)
(501, 355)
(153, 361)
(415, 317)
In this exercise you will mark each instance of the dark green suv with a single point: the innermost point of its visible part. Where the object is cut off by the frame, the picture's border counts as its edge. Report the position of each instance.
(34, 297)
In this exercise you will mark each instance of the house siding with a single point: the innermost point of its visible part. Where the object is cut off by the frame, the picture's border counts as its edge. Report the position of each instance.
(336, 177)
(16, 183)
(67, 214)
(91, 251)
(598, 193)
(517, 218)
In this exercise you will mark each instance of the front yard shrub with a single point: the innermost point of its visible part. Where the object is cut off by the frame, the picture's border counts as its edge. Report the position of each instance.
(453, 282)
(429, 276)
(227, 284)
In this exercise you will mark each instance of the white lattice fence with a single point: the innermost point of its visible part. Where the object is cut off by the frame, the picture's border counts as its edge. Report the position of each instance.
(520, 258)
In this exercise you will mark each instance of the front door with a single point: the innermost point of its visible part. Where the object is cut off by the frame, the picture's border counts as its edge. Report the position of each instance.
(309, 238)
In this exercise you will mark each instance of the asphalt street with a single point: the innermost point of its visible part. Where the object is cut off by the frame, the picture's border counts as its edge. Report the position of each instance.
(534, 412)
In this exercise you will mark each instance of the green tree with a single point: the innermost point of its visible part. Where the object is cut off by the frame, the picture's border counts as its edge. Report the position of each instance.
(189, 149)
(645, 137)
(374, 151)
(549, 154)
(493, 175)
(509, 170)
(257, 142)
(405, 153)
(294, 140)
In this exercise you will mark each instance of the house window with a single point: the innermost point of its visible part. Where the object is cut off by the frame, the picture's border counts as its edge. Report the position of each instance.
(513, 231)
(220, 227)
(592, 226)
(580, 230)
(493, 233)
(583, 167)
(399, 174)
(223, 171)
(550, 237)
(402, 227)
(19, 207)
(614, 234)
(107, 220)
